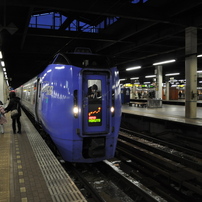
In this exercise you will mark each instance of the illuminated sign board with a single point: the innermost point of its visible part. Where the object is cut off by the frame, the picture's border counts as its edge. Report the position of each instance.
(94, 115)
(94, 119)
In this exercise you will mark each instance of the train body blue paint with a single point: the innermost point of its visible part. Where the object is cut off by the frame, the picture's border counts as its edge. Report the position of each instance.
(77, 101)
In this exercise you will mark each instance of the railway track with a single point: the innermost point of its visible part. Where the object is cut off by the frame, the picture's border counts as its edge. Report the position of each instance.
(165, 168)
(109, 183)
(192, 143)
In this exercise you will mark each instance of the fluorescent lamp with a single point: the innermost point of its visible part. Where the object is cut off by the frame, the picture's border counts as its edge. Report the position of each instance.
(164, 62)
(199, 56)
(172, 74)
(122, 79)
(2, 63)
(133, 68)
(4, 69)
(134, 78)
(200, 71)
(1, 56)
(200, 81)
(150, 76)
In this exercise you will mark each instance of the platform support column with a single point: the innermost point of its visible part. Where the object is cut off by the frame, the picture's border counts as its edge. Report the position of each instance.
(191, 72)
(167, 90)
(133, 92)
(159, 79)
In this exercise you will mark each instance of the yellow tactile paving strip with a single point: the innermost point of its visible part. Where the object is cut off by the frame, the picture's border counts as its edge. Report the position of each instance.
(29, 172)
(28, 184)
(5, 165)
(20, 178)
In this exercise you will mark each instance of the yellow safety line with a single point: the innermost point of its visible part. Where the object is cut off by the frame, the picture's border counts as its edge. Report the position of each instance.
(4, 166)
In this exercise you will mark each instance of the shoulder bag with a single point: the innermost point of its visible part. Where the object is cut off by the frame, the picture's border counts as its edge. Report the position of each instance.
(14, 113)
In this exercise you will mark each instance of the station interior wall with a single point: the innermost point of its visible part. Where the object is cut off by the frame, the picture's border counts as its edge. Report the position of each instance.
(4, 88)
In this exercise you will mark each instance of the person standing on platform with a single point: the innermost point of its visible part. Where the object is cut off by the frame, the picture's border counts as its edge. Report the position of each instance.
(14, 103)
(180, 94)
(139, 95)
(2, 117)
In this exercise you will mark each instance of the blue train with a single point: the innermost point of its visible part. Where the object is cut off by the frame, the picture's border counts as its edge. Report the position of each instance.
(77, 101)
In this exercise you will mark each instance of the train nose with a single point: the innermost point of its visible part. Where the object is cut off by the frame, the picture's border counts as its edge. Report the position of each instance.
(94, 147)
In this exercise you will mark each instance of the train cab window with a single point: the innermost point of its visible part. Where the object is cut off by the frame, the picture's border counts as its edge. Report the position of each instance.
(94, 103)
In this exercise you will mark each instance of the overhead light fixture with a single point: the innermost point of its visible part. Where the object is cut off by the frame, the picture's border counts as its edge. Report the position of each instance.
(134, 78)
(199, 56)
(172, 74)
(150, 76)
(2, 64)
(133, 68)
(4, 69)
(164, 62)
(199, 71)
(1, 56)
(122, 79)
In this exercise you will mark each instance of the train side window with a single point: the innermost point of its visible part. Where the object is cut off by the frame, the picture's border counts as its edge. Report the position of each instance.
(75, 97)
(34, 92)
(39, 93)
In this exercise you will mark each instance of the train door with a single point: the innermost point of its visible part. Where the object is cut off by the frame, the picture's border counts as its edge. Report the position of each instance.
(96, 102)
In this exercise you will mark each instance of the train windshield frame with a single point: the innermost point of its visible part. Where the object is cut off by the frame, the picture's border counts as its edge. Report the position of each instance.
(95, 98)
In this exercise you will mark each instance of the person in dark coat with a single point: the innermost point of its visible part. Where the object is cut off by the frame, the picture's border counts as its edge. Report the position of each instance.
(14, 103)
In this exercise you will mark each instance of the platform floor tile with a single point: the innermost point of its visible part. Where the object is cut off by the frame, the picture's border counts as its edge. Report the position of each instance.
(4, 167)
(29, 172)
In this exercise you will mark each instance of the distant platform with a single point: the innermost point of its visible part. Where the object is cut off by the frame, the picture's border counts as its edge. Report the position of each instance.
(166, 112)
(172, 102)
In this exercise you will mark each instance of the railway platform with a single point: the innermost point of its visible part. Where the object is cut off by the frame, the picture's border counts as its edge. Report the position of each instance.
(165, 121)
(175, 113)
(29, 172)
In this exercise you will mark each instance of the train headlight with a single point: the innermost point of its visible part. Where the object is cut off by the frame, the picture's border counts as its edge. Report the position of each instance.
(112, 110)
(75, 111)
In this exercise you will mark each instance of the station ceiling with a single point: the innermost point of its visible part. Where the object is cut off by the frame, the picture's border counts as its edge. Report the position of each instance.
(131, 32)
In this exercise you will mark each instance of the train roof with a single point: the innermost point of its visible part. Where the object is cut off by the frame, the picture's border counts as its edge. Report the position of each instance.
(83, 60)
